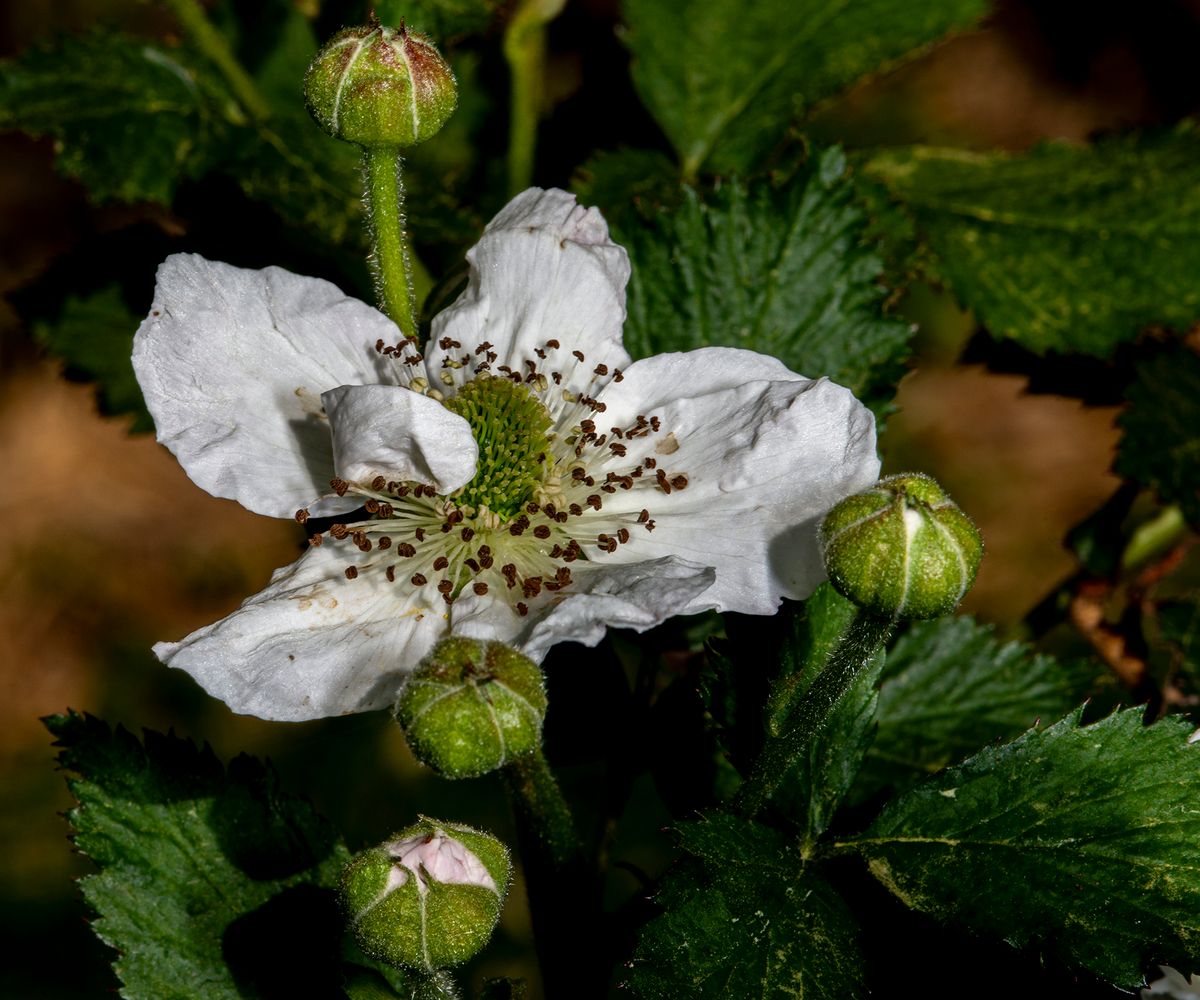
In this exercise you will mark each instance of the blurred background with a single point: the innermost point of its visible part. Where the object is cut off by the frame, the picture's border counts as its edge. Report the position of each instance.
(108, 546)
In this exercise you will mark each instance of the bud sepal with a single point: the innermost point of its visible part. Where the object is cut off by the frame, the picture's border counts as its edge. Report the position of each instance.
(429, 897)
(471, 706)
(902, 549)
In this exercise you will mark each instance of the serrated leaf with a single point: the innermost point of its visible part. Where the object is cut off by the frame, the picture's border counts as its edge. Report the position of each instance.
(212, 882)
(782, 271)
(1080, 841)
(94, 336)
(130, 118)
(744, 918)
(725, 78)
(950, 688)
(1160, 446)
(1065, 248)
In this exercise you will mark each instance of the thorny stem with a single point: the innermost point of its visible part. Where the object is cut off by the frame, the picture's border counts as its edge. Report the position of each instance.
(858, 646)
(525, 51)
(215, 46)
(541, 808)
(391, 258)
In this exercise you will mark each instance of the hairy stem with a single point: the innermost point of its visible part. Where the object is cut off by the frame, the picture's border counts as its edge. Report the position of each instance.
(215, 46)
(391, 258)
(858, 645)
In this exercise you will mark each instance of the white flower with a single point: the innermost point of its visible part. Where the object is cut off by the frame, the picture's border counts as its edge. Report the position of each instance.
(524, 481)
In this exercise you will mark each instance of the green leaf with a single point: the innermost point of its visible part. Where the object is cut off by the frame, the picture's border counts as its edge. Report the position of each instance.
(1065, 248)
(744, 918)
(1179, 632)
(818, 779)
(213, 883)
(725, 78)
(950, 688)
(1160, 447)
(94, 336)
(782, 271)
(1079, 841)
(131, 118)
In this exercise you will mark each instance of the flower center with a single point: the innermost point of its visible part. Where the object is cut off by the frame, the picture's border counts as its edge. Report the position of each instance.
(511, 429)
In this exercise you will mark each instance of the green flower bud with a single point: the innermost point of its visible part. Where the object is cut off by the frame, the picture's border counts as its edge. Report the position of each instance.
(428, 898)
(471, 705)
(378, 86)
(902, 549)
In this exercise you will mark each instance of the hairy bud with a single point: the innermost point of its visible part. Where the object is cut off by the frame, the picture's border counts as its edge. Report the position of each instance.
(902, 549)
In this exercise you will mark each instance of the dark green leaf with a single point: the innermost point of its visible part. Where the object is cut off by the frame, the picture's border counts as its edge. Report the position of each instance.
(782, 271)
(212, 883)
(950, 688)
(1079, 841)
(131, 117)
(1178, 631)
(95, 337)
(744, 918)
(1161, 446)
(1065, 248)
(725, 78)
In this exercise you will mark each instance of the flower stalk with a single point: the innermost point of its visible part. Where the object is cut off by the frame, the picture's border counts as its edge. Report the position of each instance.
(391, 257)
(863, 638)
(525, 52)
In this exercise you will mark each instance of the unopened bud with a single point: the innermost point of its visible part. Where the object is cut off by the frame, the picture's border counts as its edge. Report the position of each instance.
(902, 549)
(378, 86)
(429, 897)
(472, 705)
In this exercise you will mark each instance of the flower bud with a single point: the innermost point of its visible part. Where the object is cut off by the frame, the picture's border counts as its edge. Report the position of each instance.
(902, 549)
(428, 898)
(471, 705)
(378, 86)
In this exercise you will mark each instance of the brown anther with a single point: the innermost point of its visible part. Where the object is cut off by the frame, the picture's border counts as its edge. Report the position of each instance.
(484, 551)
(532, 508)
(540, 353)
(651, 463)
(522, 609)
(446, 526)
(575, 509)
(618, 376)
(444, 586)
(419, 580)
(390, 573)
(509, 572)
(372, 506)
(563, 576)
(339, 531)
(557, 376)
(419, 534)
(553, 343)
(618, 450)
(643, 517)
(480, 588)
(440, 563)
(649, 525)
(594, 501)
(663, 484)
(622, 535)
(516, 528)
(541, 531)
(379, 344)
(532, 586)
(579, 355)
(351, 572)
(577, 474)
(655, 424)
(608, 488)
(472, 565)
(486, 562)
(467, 534)
(556, 551)
(386, 510)
(339, 486)
(680, 482)
(601, 369)
(378, 483)
(385, 542)
(316, 540)
(406, 549)
(402, 490)
(302, 515)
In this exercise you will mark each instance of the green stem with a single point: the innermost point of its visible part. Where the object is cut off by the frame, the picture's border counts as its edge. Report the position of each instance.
(1154, 537)
(216, 47)
(391, 258)
(525, 52)
(858, 645)
(542, 810)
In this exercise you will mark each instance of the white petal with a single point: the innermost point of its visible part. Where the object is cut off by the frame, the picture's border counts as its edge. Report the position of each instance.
(764, 462)
(638, 596)
(312, 644)
(399, 434)
(545, 269)
(233, 363)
